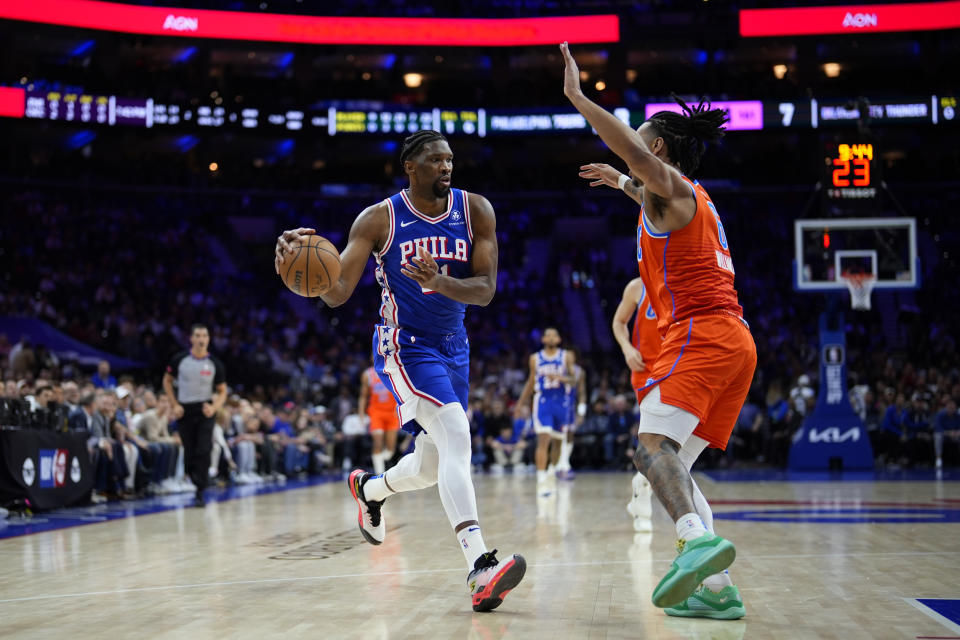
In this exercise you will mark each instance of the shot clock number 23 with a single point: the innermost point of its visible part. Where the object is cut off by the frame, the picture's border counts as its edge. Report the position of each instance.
(851, 166)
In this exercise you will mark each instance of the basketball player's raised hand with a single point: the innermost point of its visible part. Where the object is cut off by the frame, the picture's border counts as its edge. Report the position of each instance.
(571, 74)
(600, 174)
(422, 268)
(287, 243)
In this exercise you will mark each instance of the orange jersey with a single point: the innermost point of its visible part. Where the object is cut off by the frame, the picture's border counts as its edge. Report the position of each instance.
(645, 338)
(688, 272)
(381, 399)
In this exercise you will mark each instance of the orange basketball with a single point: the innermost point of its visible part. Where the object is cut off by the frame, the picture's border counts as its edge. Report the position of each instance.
(312, 268)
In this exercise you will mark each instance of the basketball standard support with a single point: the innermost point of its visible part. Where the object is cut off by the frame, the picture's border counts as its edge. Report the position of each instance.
(832, 437)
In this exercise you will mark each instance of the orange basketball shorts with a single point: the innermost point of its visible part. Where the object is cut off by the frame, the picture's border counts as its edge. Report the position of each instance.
(706, 367)
(384, 421)
(639, 380)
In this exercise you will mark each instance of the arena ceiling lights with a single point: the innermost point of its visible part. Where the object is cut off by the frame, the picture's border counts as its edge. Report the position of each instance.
(877, 18)
(274, 27)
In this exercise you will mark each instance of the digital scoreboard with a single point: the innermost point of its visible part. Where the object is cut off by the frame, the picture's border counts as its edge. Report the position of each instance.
(376, 118)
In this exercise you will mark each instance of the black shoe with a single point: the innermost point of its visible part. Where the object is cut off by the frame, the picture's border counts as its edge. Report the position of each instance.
(199, 500)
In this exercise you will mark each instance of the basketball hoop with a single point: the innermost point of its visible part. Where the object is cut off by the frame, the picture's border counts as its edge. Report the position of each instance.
(860, 285)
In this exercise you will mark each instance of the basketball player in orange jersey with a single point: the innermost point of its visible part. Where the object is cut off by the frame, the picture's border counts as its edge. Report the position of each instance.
(379, 405)
(700, 380)
(640, 350)
(436, 252)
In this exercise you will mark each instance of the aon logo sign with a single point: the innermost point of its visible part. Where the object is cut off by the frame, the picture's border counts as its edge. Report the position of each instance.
(833, 435)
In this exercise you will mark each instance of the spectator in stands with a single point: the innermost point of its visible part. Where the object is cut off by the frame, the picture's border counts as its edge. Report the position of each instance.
(946, 427)
(81, 419)
(278, 434)
(42, 398)
(220, 448)
(136, 452)
(153, 426)
(616, 441)
(892, 433)
(246, 446)
(748, 435)
(71, 395)
(802, 396)
(353, 433)
(507, 447)
(918, 430)
(22, 358)
(102, 378)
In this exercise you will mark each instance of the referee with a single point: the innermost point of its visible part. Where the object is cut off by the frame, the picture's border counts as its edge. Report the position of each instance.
(200, 380)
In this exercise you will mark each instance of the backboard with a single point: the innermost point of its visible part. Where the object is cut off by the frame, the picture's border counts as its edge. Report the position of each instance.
(825, 249)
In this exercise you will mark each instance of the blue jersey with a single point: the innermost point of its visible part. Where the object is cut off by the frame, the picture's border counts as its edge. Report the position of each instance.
(550, 367)
(449, 239)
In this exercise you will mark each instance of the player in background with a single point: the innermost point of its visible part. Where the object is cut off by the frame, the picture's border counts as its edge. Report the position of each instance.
(436, 252)
(640, 348)
(705, 368)
(379, 405)
(576, 411)
(551, 369)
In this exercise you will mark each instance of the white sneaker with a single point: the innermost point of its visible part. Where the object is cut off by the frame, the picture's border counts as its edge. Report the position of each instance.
(369, 519)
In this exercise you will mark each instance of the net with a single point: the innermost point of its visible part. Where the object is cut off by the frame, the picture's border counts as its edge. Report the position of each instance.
(860, 285)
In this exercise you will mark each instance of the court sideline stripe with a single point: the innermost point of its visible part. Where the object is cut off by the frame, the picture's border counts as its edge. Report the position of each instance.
(201, 585)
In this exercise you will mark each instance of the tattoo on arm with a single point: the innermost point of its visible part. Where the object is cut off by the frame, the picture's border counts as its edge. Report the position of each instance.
(634, 189)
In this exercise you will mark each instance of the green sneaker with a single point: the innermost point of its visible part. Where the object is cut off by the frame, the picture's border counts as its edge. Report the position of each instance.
(698, 558)
(704, 603)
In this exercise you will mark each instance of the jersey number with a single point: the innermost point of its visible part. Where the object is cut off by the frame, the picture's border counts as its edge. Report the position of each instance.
(444, 270)
(720, 231)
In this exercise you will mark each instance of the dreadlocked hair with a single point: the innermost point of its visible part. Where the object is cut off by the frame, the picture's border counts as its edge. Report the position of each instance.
(687, 133)
(414, 143)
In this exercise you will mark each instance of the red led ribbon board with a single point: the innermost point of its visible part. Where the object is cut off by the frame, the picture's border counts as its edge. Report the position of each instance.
(12, 102)
(274, 27)
(876, 18)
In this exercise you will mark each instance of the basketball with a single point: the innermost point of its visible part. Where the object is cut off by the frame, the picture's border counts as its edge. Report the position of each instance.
(312, 268)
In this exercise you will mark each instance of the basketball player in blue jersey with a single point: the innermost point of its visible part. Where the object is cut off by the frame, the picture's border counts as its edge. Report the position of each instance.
(551, 369)
(436, 252)
(576, 411)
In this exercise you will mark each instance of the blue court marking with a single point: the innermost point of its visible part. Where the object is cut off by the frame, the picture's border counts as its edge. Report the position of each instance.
(845, 515)
(76, 516)
(945, 610)
(783, 475)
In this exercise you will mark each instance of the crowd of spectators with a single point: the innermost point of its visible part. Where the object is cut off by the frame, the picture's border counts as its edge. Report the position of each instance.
(142, 279)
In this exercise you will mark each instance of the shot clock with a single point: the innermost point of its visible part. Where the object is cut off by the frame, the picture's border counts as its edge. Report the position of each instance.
(851, 171)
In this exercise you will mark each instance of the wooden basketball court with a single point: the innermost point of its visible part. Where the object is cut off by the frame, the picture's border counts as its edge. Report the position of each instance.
(291, 564)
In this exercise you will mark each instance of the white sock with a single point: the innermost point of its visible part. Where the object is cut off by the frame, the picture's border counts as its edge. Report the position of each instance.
(377, 463)
(565, 448)
(718, 581)
(541, 475)
(471, 543)
(375, 488)
(690, 526)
